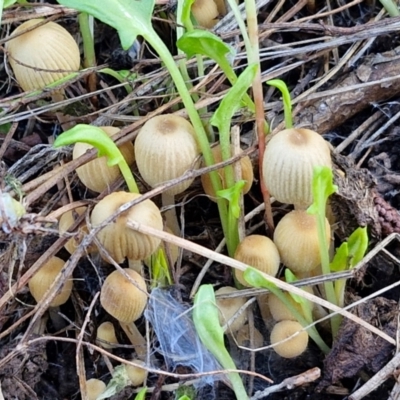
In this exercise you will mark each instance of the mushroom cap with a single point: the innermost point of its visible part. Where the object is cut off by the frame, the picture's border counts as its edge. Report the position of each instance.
(243, 337)
(247, 174)
(66, 221)
(43, 279)
(165, 148)
(47, 47)
(296, 237)
(288, 164)
(227, 308)
(94, 388)
(205, 12)
(106, 333)
(122, 299)
(292, 347)
(280, 312)
(119, 240)
(136, 375)
(259, 252)
(96, 175)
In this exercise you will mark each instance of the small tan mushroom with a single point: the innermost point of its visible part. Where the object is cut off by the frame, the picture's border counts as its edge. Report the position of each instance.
(293, 347)
(259, 252)
(136, 375)
(126, 301)
(105, 335)
(44, 278)
(96, 175)
(94, 388)
(296, 237)
(205, 12)
(228, 308)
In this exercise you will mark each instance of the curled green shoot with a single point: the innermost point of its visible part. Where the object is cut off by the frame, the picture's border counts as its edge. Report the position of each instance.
(287, 102)
(105, 146)
(255, 279)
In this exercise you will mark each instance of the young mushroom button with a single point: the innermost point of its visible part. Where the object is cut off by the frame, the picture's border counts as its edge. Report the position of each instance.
(259, 252)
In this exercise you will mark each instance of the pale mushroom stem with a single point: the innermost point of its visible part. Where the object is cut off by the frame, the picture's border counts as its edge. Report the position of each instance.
(168, 200)
(136, 338)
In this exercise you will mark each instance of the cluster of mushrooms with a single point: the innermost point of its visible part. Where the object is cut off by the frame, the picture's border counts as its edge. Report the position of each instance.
(287, 166)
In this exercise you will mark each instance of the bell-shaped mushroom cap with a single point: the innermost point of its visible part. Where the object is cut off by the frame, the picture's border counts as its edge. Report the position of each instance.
(292, 347)
(122, 299)
(243, 337)
(229, 307)
(96, 175)
(119, 240)
(296, 237)
(247, 174)
(164, 149)
(205, 12)
(288, 164)
(259, 252)
(44, 278)
(47, 47)
(105, 336)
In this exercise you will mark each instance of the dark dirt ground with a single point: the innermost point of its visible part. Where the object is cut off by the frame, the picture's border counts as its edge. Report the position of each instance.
(340, 61)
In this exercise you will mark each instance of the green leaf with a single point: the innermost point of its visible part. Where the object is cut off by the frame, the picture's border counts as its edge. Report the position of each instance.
(254, 278)
(142, 394)
(232, 100)
(340, 260)
(205, 43)
(118, 382)
(129, 17)
(93, 136)
(232, 194)
(206, 322)
(358, 245)
(322, 188)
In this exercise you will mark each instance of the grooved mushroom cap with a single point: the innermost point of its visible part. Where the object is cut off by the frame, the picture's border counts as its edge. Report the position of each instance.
(288, 163)
(259, 252)
(96, 175)
(164, 149)
(119, 240)
(122, 299)
(228, 307)
(44, 278)
(292, 347)
(247, 174)
(47, 47)
(296, 237)
(205, 12)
